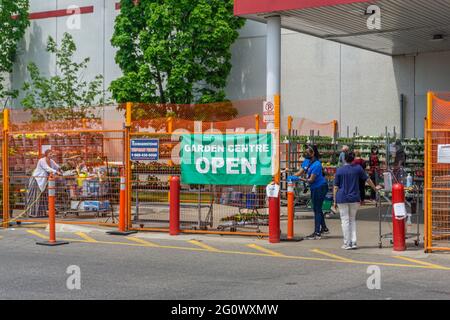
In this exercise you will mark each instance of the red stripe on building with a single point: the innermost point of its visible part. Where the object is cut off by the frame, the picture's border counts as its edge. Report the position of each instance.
(118, 4)
(60, 13)
(243, 7)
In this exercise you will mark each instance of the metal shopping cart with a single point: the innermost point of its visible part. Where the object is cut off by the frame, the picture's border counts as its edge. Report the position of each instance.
(90, 200)
(412, 200)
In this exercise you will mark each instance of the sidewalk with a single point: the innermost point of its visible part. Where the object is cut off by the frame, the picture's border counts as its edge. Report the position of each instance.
(367, 231)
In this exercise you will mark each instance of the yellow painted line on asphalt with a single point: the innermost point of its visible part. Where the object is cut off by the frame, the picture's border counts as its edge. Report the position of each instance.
(38, 234)
(203, 245)
(431, 265)
(85, 237)
(38, 226)
(142, 241)
(347, 261)
(265, 250)
(333, 256)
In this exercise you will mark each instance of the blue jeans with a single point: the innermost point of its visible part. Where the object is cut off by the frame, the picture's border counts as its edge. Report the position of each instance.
(317, 197)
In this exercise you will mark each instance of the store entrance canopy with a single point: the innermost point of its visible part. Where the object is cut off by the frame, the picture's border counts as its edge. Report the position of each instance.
(407, 26)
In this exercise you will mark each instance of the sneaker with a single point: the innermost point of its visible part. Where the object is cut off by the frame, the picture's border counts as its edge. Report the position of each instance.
(346, 247)
(354, 246)
(325, 231)
(314, 236)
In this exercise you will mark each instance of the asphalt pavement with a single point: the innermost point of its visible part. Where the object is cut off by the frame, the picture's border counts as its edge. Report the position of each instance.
(157, 266)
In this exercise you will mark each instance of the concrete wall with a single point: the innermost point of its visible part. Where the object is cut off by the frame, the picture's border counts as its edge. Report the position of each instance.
(324, 81)
(321, 80)
(92, 40)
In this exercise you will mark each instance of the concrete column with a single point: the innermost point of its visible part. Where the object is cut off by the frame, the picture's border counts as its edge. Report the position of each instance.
(273, 44)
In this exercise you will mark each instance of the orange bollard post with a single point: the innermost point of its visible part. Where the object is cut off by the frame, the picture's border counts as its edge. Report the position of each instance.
(291, 213)
(122, 210)
(290, 208)
(52, 216)
(398, 222)
(273, 195)
(274, 219)
(174, 223)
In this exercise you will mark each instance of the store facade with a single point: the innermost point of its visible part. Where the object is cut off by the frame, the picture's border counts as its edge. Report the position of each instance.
(321, 80)
(401, 61)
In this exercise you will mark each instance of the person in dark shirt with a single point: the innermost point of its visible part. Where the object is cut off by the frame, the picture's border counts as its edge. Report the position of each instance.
(347, 197)
(374, 167)
(362, 183)
(312, 167)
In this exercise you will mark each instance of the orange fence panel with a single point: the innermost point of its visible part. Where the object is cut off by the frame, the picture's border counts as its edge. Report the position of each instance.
(216, 209)
(92, 152)
(437, 177)
(87, 156)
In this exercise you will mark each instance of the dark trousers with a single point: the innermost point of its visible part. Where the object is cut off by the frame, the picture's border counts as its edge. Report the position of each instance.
(373, 194)
(317, 198)
(362, 189)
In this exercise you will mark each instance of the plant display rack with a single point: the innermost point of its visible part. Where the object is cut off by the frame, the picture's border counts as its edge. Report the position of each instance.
(330, 149)
(26, 149)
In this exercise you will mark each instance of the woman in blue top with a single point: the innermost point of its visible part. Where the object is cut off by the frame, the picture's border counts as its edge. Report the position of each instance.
(319, 188)
(347, 197)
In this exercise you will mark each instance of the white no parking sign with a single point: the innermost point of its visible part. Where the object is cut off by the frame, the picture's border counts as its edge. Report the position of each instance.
(268, 112)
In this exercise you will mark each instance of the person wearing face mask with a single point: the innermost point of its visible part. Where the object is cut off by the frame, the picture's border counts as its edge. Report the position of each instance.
(312, 167)
(36, 198)
(347, 197)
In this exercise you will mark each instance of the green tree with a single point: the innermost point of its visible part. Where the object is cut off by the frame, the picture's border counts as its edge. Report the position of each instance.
(13, 23)
(65, 96)
(174, 52)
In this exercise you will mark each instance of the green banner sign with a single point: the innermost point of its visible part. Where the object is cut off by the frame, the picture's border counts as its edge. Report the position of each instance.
(227, 159)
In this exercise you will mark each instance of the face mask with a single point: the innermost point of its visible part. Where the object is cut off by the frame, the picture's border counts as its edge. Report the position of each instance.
(307, 156)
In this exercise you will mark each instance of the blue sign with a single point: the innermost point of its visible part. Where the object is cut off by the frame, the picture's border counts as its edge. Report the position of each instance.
(144, 149)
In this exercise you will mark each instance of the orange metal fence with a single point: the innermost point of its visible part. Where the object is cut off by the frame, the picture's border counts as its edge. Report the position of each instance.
(86, 160)
(206, 209)
(437, 177)
(93, 152)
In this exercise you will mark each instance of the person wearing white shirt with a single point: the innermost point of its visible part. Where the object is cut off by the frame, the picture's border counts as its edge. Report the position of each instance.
(36, 199)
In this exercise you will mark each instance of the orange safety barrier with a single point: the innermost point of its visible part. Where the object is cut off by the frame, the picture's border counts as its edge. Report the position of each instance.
(51, 216)
(205, 209)
(103, 145)
(437, 172)
(90, 152)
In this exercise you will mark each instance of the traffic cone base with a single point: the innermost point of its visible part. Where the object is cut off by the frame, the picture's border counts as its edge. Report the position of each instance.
(121, 233)
(52, 243)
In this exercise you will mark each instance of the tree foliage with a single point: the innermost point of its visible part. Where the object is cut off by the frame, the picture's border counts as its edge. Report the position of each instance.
(13, 23)
(66, 95)
(174, 51)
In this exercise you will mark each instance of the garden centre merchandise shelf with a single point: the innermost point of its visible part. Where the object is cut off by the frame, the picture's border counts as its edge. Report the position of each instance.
(26, 149)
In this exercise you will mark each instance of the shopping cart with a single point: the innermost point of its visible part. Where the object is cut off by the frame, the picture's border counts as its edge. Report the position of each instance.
(414, 194)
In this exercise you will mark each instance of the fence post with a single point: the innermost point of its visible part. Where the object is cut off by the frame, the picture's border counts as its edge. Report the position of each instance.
(128, 175)
(290, 119)
(5, 168)
(122, 210)
(257, 123)
(174, 222)
(51, 215)
(428, 205)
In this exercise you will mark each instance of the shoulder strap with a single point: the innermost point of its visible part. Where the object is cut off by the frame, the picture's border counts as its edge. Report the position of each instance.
(310, 164)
